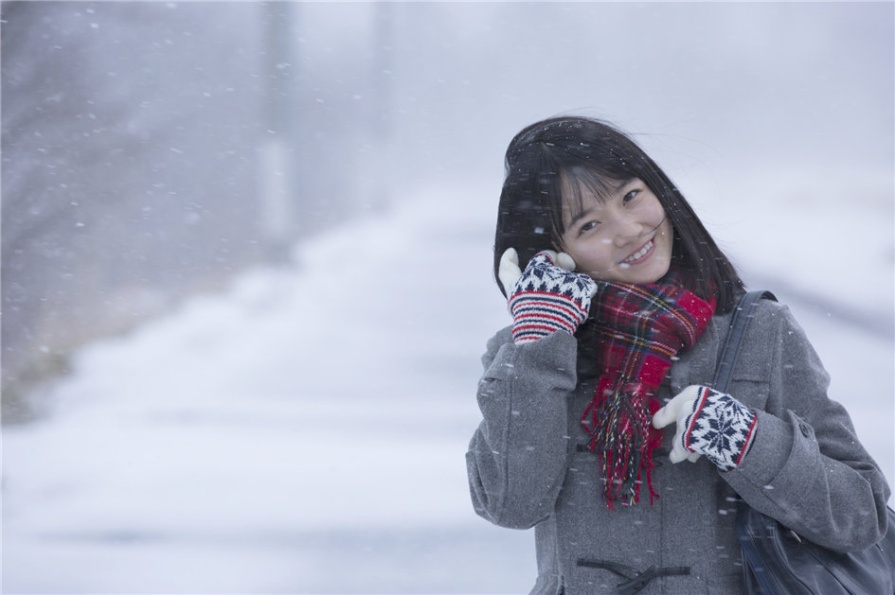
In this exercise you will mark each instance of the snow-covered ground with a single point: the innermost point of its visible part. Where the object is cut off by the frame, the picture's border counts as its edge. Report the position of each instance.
(304, 431)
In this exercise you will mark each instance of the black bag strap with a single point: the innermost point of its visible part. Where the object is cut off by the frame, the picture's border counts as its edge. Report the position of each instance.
(739, 322)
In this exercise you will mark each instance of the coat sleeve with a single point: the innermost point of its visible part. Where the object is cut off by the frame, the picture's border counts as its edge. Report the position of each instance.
(806, 467)
(517, 457)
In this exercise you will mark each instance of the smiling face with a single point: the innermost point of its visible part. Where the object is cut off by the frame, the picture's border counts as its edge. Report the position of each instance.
(620, 235)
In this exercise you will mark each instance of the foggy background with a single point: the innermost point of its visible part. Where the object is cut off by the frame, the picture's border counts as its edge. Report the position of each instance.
(158, 152)
(153, 149)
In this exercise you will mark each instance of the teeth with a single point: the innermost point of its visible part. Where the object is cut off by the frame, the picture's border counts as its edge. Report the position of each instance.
(640, 253)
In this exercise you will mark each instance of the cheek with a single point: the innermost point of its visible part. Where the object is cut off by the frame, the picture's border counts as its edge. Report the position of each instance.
(653, 209)
(668, 234)
(591, 258)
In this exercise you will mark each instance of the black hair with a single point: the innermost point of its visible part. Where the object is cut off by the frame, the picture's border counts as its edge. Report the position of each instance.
(596, 154)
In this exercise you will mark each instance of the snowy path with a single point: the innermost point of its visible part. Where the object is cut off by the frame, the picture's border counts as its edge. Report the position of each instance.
(304, 431)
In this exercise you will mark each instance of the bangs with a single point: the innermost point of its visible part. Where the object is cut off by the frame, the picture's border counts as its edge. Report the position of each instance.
(576, 183)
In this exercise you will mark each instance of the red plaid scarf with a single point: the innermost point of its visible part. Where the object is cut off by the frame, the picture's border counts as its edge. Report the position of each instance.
(639, 329)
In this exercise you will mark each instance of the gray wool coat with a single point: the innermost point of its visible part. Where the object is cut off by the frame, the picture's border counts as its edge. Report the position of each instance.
(529, 466)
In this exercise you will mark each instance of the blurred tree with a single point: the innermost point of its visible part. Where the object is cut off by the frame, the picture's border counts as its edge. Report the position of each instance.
(128, 169)
(152, 150)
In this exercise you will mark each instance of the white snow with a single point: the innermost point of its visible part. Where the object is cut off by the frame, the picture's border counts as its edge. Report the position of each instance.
(305, 430)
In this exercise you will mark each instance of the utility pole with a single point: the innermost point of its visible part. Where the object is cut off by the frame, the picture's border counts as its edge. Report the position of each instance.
(276, 149)
(379, 118)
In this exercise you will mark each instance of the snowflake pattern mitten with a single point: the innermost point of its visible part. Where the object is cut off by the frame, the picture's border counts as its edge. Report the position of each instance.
(719, 427)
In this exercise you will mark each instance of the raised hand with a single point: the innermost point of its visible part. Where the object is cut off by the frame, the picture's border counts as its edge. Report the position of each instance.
(548, 296)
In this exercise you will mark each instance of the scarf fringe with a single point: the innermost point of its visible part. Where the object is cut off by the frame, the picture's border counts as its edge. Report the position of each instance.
(621, 433)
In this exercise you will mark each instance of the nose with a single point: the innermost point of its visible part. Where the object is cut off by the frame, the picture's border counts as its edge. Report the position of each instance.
(625, 230)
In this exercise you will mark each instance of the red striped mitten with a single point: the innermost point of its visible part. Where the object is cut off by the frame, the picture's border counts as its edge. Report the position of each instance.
(709, 423)
(547, 297)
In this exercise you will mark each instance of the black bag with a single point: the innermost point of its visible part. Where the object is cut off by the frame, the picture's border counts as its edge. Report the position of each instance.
(776, 561)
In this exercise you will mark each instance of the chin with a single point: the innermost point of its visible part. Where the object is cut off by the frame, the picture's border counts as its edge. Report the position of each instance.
(654, 274)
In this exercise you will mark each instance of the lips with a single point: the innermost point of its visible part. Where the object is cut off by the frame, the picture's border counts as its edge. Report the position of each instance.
(640, 254)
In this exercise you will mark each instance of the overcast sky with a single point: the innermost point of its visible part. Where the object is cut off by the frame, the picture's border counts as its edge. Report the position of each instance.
(726, 84)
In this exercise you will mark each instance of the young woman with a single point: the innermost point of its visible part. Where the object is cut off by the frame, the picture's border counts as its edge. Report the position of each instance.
(599, 427)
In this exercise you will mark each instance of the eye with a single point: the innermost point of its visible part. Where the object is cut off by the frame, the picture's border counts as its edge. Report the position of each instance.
(586, 227)
(631, 195)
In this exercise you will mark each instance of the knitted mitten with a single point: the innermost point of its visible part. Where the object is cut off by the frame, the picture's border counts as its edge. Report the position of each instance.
(547, 297)
(709, 423)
